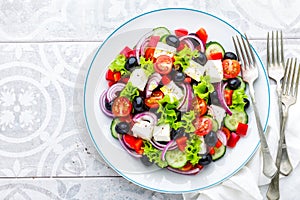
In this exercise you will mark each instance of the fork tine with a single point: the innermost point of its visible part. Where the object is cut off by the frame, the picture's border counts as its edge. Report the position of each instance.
(240, 53)
(281, 45)
(268, 50)
(290, 78)
(250, 50)
(286, 76)
(297, 80)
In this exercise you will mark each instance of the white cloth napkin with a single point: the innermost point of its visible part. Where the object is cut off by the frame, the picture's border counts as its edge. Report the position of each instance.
(245, 184)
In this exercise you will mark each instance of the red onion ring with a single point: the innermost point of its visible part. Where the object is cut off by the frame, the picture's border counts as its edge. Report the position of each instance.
(113, 90)
(102, 101)
(189, 172)
(125, 147)
(196, 38)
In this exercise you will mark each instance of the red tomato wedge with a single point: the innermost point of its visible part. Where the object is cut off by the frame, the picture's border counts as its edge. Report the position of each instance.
(134, 143)
(199, 106)
(181, 32)
(152, 101)
(201, 33)
(121, 107)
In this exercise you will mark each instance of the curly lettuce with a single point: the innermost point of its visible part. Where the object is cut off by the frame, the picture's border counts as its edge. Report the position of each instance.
(203, 88)
(193, 148)
(130, 91)
(238, 96)
(118, 65)
(167, 109)
(187, 121)
(183, 57)
(147, 66)
(153, 154)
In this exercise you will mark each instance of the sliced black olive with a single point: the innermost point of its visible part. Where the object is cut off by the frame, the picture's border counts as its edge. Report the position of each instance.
(213, 98)
(230, 55)
(247, 103)
(194, 41)
(201, 59)
(234, 83)
(122, 128)
(205, 160)
(172, 40)
(108, 105)
(131, 63)
(177, 133)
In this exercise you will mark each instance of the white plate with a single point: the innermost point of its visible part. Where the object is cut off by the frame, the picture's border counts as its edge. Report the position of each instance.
(98, 124)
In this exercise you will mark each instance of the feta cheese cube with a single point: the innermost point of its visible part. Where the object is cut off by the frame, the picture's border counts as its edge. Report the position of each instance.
(219, 113)
(173, 91)
(214, 69)
(138, 78)
(195, 70)
(162, 133)
(143, 129)
(164, 49)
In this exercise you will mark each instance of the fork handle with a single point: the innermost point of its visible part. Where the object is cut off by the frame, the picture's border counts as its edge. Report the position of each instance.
(269, 167)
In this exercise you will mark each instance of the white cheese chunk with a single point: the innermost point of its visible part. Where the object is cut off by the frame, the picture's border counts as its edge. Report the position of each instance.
(143, 129)
(173, 91)
(164, 49)
(203, 147)
(219, 113)
(215, 70)
(195, 70)
(138, 78)
(162, 133)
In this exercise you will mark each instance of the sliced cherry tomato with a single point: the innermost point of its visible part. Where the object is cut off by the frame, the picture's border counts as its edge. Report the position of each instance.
(199, 106)
(203, 125)
(231, 68)
(152, 101)
(242, 129)
(215, 56)
(121, 107)
(149, 53)
(201, 33)
(181, 143)
(228, 96)
(234, 138)
(133, 143)
(226, 131)
(163, 64)
(181, 32)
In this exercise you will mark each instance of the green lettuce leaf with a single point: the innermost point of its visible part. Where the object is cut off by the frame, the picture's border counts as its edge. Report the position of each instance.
(130, 91)
(153, 154)
(167, 109)
(203, 88)
(147, 66)
(238, 96)
(193, 148)
(118, 65)
(183, 57)
(187, 121)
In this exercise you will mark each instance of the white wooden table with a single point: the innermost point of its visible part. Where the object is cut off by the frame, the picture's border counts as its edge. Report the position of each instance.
(45, 151)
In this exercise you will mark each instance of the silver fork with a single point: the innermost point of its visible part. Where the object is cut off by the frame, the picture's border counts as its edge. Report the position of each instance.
(288, 97)
(275, 62)
(250, 75)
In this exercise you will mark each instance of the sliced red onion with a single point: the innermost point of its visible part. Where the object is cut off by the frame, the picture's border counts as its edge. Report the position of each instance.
(155, 78)
(139, 45)
(196, 38)
(184, 88)
(188, 43)
(211, 111)
(155, 144)
(146, 116)
(144, 46)
(113, 91)
(168, 145)
(189, 172)
(126, 148)
(102, 101)
(162, 146)
(222, 137)
(220, 92)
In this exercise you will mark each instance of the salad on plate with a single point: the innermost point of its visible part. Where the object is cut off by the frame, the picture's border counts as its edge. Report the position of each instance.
(176, 99)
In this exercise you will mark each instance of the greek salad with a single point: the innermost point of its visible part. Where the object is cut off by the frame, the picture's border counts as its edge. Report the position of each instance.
(176, 99)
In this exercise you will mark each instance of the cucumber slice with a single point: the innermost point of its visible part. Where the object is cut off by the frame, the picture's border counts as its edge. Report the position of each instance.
(232, 121)
(161, 31)
(243, 84)
(113, 124)
(219, 152)
(215, 124)
(214, 47)
(176, 158)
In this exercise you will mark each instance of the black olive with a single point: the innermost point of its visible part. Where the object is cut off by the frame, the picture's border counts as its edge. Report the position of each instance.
(178, 76)
(230, 55)
(145, 160)
(213, 98)
(201, 59)
(122, 128)
(177, 133)
(211, 139)
(234, 83)
(194, 41)
(138, 104)
(108, 105)
(247, 103)
(178, 115)
(131, 63)
(205, 160)
(172, 40)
